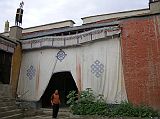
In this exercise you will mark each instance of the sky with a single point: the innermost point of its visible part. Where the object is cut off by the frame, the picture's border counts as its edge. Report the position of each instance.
(40, 12)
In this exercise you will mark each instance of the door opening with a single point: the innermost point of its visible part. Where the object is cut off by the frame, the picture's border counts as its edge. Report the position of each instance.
(64, 83)
(5, 67)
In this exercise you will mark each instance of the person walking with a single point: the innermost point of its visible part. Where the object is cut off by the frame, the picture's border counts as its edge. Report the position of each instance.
(55, 101)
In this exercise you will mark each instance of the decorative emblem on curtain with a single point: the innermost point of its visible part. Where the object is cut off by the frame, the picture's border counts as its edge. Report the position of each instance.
(31, 72)
(97, 68)
(61, 55)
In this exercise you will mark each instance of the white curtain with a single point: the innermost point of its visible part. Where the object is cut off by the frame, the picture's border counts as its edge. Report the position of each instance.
(95, 65)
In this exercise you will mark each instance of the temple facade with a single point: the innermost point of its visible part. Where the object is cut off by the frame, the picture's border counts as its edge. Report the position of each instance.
(116, 55)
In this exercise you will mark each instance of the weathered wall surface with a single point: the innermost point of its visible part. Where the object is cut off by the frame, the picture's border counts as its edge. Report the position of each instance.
(141, 59)
(15, 68)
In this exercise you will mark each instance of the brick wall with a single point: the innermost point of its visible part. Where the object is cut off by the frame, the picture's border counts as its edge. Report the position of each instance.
(141, 59)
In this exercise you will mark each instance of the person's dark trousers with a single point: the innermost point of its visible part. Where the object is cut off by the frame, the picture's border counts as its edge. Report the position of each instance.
(55, 110)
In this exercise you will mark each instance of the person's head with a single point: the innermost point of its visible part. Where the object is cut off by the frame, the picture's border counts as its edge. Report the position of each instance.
(56, 92)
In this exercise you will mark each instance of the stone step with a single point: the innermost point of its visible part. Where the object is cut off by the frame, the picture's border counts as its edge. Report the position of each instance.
(6, 99)
(10, 112)
(50, 109)
(46, 117)
(7, 103)
(62, 111)
(5, 95)
(7, 108)
(15, 116)
(39, 117)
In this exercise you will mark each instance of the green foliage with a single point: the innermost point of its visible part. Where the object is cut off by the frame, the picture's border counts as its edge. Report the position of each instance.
(86, 104)
(126, 109)
(72, 96)
(89, 104)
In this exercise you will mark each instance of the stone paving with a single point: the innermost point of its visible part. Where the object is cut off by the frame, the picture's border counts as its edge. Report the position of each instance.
(65, 114)
(86, 117)
(45, 117)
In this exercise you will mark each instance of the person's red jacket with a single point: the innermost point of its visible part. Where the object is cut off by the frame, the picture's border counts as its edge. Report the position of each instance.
(55, 99)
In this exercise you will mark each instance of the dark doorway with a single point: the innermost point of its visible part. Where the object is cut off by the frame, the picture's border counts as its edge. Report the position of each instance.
(5, 67)
(64, 82)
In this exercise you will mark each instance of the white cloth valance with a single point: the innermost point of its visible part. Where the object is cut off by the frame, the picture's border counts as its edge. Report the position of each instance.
(6, 46)
(70, 40)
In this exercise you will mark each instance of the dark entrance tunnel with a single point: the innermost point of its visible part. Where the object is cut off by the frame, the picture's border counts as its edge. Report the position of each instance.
(64, 82)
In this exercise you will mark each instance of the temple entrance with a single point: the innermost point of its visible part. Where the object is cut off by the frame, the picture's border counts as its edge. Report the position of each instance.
(64, 82)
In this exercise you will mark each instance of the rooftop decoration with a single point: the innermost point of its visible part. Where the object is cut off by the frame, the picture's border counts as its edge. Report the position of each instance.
(19, 14)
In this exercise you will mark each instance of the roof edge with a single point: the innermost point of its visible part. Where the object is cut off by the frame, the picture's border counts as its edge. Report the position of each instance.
(8, 39)
(145, 9)
(50, 24)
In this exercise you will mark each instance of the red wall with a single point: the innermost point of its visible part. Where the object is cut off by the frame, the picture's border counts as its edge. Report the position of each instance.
(141, 59)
